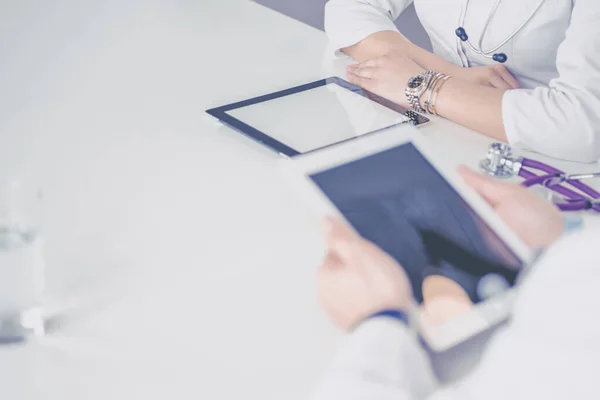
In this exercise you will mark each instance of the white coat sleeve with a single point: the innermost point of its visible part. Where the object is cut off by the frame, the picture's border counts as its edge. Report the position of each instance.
(549, 350)
(563, 119)
(347, 22)
(374, 364)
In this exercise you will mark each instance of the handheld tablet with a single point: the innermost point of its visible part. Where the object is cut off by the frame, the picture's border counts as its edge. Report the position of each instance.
(395, 191)
(313, 116)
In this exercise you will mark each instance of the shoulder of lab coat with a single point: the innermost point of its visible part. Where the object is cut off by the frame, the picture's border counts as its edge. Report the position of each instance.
(549, 349)
(563, 119)
(347, 22)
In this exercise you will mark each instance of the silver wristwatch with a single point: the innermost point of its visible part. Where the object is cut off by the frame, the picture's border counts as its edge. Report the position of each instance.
(417, 85)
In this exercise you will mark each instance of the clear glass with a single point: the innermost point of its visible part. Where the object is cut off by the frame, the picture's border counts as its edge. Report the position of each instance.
(21, 262)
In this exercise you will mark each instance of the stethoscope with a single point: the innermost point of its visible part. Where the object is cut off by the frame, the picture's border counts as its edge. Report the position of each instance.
(500, 163)
(462, 35)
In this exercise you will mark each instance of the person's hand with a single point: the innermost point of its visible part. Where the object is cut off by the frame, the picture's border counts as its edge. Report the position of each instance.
(496, 76)
(536, 221)
(386, 76)
(357, 279)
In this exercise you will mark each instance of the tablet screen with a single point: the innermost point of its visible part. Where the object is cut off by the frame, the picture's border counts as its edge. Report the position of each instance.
(319, 117)
(399, 201)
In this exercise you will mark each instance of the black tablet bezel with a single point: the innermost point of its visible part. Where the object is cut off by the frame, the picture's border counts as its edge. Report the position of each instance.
(221, 114)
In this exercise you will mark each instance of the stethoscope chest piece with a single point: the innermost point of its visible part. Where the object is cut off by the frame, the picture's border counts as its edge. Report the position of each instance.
(499, 162)
(495, 162)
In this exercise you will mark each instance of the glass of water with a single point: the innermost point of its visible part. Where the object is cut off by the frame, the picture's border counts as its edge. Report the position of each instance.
(21, 262)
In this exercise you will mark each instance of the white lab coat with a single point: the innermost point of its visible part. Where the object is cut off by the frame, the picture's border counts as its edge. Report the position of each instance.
(555, 57)
(549, 350)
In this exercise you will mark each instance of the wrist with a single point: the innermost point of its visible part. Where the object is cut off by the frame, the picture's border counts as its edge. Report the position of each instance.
(415, 87)
(455, 70)
(423, 90)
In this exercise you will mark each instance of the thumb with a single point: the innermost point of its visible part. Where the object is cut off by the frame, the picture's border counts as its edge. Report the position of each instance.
(493, 191)
(341, 240)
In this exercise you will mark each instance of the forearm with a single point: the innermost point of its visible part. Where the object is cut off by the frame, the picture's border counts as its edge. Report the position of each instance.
(381, 43)
(476, 107)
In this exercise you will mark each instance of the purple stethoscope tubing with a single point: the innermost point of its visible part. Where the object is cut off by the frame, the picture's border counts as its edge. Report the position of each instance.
(550, 170)
(575, 201)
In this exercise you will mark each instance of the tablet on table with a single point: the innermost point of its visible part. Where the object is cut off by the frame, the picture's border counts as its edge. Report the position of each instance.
(313, 116)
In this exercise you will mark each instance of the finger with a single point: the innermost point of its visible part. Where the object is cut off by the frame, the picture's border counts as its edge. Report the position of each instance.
(331, 261)
(342, 242)
(509, 78)
(324, 277)
(365, 72)
(493, 191)
(374, 62)
(499, 83)
(336, 230)
(364, 83)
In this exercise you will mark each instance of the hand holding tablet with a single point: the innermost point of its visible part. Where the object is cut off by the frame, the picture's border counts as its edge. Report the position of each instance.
(358, 280)
(397, 193)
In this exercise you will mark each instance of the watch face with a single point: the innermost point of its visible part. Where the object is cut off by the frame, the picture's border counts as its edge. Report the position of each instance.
(416, 81)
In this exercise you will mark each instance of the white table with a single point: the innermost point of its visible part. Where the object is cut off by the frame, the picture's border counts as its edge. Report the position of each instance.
(184, 265)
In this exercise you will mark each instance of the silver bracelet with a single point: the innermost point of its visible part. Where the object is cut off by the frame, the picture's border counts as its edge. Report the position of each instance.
(434, 81)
